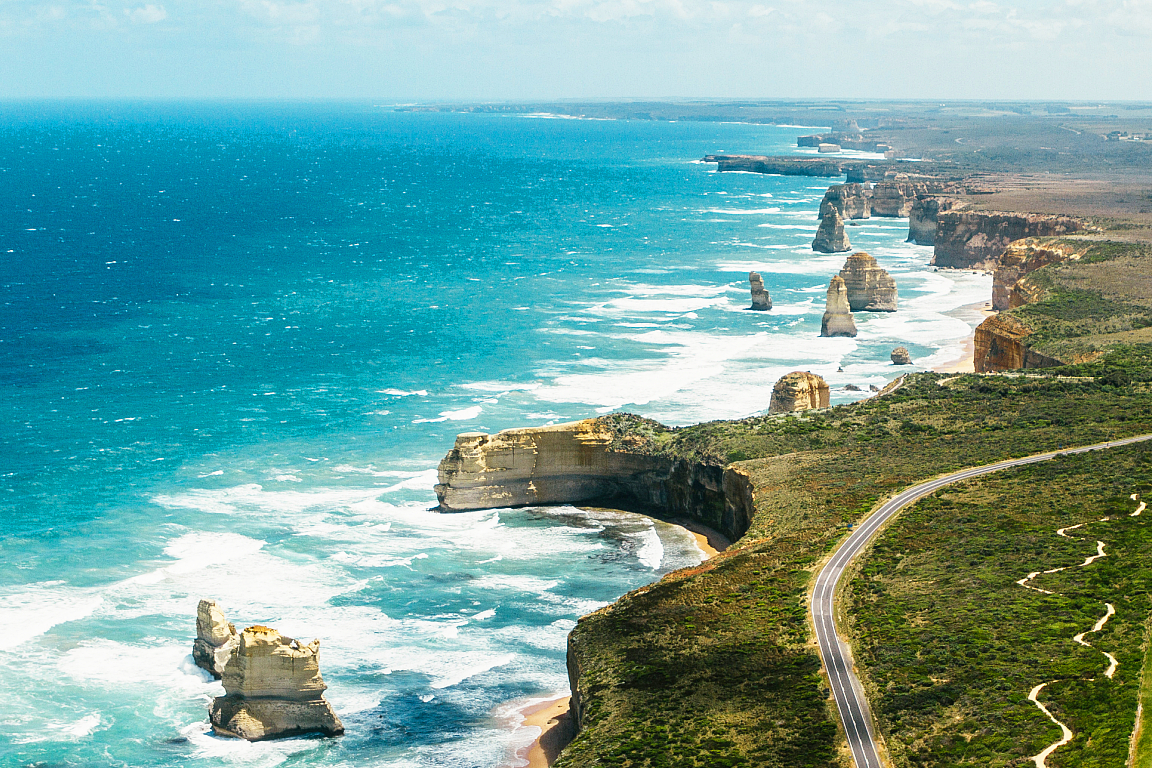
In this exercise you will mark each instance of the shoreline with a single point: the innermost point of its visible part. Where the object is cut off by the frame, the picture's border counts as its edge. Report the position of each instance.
(966, 363)
(551, 714)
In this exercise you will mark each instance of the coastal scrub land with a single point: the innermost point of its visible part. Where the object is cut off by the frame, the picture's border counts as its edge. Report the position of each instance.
(714, 665)
(952, 642)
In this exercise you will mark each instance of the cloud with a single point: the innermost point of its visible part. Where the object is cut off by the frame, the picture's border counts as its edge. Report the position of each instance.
(148, 14)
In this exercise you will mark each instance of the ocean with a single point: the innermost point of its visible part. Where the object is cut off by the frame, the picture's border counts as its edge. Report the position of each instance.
(236, 339)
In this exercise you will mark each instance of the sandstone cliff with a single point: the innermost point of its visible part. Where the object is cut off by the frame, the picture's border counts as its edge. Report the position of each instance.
(273, 689)
(923, 214)
(851, 201)
(977, 239)
(837, 320)
(1001, 345)
(576, 462)
(761, 300)
(1020, 258)
(799, 391)
(870, 288)
(215, 638)
(831, 237)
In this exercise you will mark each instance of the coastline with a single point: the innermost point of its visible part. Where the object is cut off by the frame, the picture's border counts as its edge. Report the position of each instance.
(551, 714)
(966, 363)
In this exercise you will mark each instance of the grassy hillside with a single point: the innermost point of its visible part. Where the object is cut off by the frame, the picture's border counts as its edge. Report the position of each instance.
(951, 644)
(1087, 306)
(714, 666)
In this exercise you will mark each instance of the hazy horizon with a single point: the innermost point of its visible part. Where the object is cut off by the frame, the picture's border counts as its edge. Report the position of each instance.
(529, 50)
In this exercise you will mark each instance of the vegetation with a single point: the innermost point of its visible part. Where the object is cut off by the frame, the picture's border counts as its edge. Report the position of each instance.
(952, 644)
(715, 665)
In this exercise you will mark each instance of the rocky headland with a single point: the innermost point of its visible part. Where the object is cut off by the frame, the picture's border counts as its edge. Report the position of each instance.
(1021, 258)
(869, 286)
(977, 239)
(837, 319)
(830, 236)
(851, 201)
(923, 217)
(799, 391)
(588, 461)
(273, 689)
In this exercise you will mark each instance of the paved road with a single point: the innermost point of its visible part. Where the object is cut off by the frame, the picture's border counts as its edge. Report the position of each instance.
(850, 701)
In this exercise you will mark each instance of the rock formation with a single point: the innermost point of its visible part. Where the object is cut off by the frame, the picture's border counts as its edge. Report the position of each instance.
(830, 237)
(761, 301)
(851, 201)
(837, 320)
(798, 391)
(273, 689)
(1000, 345)
(900, 356)
(828, 148)
(977, 239)
(1020, 258)
(923, 215)
(215, 638)
(582, 462)
(870, 288)
(890, 198)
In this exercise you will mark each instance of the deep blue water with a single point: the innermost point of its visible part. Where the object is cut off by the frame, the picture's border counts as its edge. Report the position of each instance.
(236, 339)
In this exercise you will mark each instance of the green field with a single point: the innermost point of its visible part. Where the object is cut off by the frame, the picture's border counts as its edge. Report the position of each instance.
(951, 644)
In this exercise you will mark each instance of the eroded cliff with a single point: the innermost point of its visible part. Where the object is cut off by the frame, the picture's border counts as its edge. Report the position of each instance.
(1019, 259)
(583, 462)
(1001, 345)
(977, 239)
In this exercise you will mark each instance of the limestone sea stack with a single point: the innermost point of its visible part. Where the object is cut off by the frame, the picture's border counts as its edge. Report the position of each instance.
(830, 237)
(273, 689)
(215, 638)
(837, 320)
(900, 356)
(761, 301)
(870, 287)
(851, 201)
(799, 391)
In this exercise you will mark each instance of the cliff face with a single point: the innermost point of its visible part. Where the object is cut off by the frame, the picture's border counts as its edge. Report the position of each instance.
(837, 320)
(923, 214)
(831, 237)
(870, 288)
(977, 239)
(761, 300)
(1001, 345)
(1018, 260)
(273, 689)
(851, 201)
(784, 166)
(799, 391)
(215, 638)
(573, 463)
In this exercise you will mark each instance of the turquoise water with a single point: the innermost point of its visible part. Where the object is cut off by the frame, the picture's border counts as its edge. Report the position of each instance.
(235, 340)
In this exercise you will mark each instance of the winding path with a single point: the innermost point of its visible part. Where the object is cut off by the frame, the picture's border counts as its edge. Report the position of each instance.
(846, 690)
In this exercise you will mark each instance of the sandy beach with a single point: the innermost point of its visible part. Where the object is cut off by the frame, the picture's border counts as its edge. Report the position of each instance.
(551, 716)
(966, 362)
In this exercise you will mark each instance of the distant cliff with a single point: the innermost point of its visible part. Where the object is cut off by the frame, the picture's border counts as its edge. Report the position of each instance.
(977, 239)
(1001, 344)
(1018, 260)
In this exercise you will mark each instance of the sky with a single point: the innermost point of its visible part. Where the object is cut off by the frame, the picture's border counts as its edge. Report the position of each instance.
(492, 50)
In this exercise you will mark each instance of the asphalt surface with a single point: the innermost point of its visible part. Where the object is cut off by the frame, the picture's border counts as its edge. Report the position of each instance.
(846, 689)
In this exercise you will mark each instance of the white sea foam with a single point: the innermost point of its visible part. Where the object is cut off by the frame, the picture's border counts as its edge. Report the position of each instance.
(651, 552)
(40, 607)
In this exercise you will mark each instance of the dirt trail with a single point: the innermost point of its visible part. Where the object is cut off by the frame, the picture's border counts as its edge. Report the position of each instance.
(1041, 759)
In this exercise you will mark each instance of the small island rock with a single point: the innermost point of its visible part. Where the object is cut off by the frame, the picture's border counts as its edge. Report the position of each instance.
(837, 320)
(799, 391)
(273, 689)
(900, 356)
(870, 287)
(830, 237)
(215, 638)
(761, 301)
